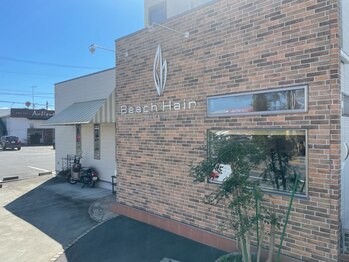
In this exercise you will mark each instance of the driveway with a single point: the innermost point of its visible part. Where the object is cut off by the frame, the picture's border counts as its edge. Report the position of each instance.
(41, 216)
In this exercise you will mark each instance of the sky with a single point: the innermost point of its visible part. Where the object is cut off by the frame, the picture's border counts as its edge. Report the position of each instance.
(43, 42)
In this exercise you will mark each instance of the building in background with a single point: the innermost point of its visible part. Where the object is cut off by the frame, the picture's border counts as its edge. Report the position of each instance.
(27, 125)
(85, 123)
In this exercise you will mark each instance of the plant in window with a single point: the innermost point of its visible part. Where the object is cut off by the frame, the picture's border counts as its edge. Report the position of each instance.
(275, 152)
(247, 211)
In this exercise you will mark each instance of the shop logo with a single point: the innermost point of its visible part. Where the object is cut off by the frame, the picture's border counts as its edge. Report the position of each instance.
(159, 72)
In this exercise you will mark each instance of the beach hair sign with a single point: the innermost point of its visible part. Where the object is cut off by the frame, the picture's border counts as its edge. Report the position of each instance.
(160, 77)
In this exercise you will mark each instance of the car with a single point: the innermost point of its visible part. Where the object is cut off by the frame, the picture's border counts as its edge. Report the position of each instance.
(10, 142)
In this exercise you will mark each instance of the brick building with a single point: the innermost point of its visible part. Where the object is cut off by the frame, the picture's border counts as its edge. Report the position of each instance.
(291, 53)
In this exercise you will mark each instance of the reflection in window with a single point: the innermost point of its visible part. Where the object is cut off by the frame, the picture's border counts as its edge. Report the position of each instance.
(277, 157)
(263, 102)
(96, 141)
(157, 13)
(345, 107)
(78, 139)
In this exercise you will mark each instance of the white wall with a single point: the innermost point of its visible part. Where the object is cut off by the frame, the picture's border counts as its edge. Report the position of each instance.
(106, 165)
(345, 139)
(345, 25)
(87, 88)
(65, 144)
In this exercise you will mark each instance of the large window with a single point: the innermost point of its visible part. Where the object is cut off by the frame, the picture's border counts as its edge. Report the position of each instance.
(285, 100)
(157, 13)
(96, 141)
(278, 156)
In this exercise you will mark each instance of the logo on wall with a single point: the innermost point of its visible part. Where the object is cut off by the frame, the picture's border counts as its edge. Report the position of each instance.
(159, 72)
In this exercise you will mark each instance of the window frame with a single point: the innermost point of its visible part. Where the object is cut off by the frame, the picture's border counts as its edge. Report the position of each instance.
(78, 144)
(264, 189)
(97, 141)
(265, 91)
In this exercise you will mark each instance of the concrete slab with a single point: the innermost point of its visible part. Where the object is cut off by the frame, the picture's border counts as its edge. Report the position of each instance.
(40, 217)
(63, 188)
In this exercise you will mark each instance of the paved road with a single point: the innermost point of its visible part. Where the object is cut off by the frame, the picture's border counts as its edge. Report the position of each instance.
(123, 239)
(27, 162)
(40, 216)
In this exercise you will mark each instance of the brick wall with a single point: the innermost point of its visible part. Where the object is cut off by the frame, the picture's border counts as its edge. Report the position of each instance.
(234, 46)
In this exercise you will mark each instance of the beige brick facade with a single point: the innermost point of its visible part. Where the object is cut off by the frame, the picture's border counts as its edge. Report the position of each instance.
(234, 46)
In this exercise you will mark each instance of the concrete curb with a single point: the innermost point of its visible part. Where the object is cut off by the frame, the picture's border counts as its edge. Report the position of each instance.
(17, 178)
(45, 173)
(9, 178)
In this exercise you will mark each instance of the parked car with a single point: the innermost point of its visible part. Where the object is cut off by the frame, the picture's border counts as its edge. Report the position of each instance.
(10, 142)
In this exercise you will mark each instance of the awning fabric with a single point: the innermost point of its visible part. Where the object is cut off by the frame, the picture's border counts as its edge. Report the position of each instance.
(94, 112)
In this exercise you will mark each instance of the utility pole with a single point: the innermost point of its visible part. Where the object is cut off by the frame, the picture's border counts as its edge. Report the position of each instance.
(33, 97)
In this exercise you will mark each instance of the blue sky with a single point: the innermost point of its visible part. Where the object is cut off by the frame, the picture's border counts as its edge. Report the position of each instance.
(46, 41)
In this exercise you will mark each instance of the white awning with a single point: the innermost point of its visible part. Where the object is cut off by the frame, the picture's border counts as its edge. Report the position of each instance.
(89, 112)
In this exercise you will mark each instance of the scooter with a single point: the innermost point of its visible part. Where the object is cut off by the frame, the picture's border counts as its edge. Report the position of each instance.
(85, 175)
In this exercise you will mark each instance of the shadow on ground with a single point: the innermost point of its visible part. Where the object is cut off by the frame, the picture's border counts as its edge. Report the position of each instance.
(58, 209)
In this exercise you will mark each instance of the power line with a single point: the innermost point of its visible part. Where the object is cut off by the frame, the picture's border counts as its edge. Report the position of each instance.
(26, 91)
(46, 63)
(34, 74)
(16, 102)
(21, 94)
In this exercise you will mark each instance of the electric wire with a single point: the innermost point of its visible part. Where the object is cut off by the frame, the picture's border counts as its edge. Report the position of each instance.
(46, 63)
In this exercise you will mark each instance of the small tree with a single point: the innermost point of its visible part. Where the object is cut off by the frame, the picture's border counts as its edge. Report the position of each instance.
(239, 194)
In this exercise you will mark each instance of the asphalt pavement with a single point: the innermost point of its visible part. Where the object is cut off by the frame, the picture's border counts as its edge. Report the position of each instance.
(27, 162)
(122, 239)
(42, 216)
(46, 219)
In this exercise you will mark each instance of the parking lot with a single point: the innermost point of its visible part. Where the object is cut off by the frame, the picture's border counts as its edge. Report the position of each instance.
(27, 162)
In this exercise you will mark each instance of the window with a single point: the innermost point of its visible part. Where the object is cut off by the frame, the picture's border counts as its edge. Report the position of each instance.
(96, 141)
(157, 13)
(345, 107)
(345, 89)
(285, 100)
(277, 157)
(78, 139)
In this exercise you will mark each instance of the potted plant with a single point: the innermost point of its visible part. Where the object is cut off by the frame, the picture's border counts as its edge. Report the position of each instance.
(248, 213)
